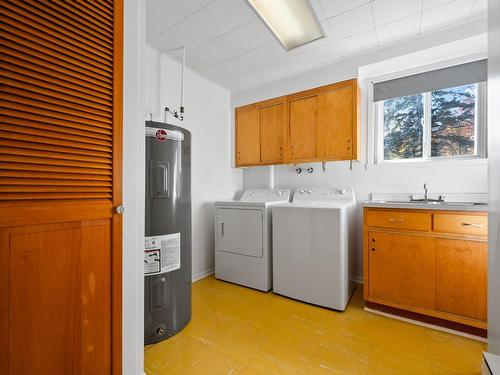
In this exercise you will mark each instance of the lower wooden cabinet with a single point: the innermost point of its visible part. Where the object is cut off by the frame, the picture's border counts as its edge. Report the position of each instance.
(401, 269)
(429, 270)
(461, 282)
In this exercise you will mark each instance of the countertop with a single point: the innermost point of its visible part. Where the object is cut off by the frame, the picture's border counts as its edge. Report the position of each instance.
(446, 206)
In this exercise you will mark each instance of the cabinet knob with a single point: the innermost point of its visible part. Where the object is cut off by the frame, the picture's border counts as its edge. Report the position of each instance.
(373, 249)
(373, 239)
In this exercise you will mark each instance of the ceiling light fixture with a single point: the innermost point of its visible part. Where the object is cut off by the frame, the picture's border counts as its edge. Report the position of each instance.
(293, 22)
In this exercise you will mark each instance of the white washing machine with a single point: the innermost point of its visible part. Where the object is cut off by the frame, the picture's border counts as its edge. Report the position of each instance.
(313, 246)
(243, 239)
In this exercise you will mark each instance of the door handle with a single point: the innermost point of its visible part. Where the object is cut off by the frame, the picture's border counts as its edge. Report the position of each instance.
(221, 228)
(120, 209)
(392, 220)
(473, 225)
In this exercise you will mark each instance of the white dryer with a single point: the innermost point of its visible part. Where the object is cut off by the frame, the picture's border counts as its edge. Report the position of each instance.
(313, 246)
(243, 239)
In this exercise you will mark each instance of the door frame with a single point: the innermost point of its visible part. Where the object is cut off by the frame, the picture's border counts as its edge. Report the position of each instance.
(117, 222)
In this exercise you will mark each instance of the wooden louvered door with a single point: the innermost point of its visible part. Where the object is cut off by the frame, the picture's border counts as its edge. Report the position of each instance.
(60, 182)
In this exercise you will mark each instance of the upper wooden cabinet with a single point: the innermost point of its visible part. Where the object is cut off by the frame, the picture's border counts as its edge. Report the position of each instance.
(320, 124)
(248, 137)
(303, 128)
(260, 133)
(272, 126)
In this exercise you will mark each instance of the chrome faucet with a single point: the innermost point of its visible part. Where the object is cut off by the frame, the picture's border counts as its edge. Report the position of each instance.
(426, 197)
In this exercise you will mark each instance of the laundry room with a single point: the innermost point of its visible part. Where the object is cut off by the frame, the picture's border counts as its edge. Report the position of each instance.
(250, 187)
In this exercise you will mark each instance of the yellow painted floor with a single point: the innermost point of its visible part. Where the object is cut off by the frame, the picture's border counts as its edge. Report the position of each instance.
(235, 330)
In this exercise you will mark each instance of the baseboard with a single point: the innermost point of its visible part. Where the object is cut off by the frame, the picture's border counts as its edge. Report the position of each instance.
(357, 279)
(202, 274)
(427, 325)
(211, 271)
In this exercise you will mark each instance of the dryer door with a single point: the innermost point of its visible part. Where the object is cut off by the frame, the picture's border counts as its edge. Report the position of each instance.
(240, 231)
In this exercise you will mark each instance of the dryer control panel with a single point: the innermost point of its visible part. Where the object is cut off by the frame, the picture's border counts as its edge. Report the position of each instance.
(323, 194)
(266, 195)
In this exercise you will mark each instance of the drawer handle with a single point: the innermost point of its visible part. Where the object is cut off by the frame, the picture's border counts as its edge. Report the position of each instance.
(473, 225)
(392, 220)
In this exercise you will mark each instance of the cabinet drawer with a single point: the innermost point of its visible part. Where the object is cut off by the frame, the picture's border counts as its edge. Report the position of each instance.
(399, 219)
(461, 224)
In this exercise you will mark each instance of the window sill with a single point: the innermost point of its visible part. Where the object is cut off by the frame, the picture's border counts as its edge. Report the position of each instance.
(428, 164)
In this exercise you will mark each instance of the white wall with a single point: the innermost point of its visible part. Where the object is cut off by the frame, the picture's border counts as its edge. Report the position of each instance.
(494, 177)
(133, 188)
(441, 178)
(207, 117)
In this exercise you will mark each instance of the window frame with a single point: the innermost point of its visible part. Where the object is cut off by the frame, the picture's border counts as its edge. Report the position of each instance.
(480, 132)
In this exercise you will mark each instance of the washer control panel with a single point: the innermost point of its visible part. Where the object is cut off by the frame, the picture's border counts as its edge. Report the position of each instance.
(266, 195)
(323, 194)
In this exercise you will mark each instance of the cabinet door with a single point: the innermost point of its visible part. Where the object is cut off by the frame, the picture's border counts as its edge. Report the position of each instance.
(303, 129)
(247, 137)
(335, 121)
(402, 269)
(462, 277)
(272, 121)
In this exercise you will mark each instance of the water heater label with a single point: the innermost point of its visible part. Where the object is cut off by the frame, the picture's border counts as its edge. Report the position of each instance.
(162, 253)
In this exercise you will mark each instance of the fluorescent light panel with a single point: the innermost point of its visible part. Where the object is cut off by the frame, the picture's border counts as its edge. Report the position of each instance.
(291, 21)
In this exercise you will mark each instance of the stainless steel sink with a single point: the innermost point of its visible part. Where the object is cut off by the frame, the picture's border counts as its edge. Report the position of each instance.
(423, 202)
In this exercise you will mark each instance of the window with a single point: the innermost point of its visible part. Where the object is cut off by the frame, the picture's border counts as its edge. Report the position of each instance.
(434, 125)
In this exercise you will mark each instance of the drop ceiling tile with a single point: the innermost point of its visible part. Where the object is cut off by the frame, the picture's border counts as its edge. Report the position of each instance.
(357, 43)
(254, 59)
(277, 52)
(229, 68)
(323, 54)
(225, 47)
(195, 62)
(239, 10)
(445, 15)
(352, 22)
(386, 11)
(160, 17)
(479, 9)
(215, 74)
(185, 34)
(210, 22)
(428, 4)
(186, 7)
(402, 29)
(163, 42)
(333, 8)
(293, 64)
(258, 32)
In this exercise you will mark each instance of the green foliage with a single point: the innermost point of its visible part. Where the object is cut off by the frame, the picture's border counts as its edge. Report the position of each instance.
(403, 127)
(452, 124)
(452, 119)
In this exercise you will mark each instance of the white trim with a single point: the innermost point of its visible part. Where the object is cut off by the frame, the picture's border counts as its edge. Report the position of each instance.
(429, 163)
(202, 274)
(427, 325)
